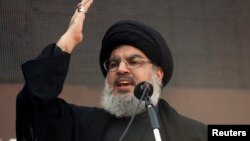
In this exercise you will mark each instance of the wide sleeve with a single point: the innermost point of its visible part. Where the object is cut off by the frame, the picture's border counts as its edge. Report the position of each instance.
(37, 105)
(44, 77)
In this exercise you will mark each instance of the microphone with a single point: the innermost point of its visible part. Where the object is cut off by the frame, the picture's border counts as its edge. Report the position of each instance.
(143, 90)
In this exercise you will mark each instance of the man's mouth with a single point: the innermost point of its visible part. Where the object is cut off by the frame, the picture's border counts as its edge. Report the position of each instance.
(124, 85)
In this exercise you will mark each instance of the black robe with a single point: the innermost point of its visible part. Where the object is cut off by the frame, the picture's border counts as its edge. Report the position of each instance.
(42, 116)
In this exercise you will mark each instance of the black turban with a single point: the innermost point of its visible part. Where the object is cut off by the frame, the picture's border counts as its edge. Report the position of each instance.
(144, 38)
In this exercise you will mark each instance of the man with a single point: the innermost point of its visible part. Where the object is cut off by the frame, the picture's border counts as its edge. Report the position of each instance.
(131, 53)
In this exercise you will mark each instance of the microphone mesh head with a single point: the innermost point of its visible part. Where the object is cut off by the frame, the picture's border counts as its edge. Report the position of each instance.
(141, 87)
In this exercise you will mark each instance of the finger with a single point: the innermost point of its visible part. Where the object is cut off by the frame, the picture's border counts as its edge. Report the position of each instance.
(84, 5)
(83, 2)
(81, 8)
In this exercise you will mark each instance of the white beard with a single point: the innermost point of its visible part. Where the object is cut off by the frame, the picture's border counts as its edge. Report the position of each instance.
(125, 104)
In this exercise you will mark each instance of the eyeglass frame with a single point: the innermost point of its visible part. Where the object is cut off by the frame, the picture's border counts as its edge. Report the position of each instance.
(126, 61)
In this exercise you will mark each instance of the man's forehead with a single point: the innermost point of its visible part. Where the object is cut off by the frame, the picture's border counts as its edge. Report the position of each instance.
(125, 51)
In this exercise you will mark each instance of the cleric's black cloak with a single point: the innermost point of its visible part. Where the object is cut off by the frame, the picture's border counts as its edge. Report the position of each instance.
(42, 116)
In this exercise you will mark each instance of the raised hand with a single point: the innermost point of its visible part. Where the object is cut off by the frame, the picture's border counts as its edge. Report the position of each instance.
(74, 34)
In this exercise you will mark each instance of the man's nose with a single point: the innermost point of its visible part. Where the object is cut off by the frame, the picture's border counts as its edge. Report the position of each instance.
(122, 68)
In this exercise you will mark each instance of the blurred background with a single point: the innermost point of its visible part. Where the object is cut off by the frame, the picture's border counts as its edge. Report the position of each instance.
(209, 40)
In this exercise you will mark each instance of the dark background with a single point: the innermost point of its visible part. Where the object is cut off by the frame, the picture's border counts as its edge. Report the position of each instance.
(209, 40)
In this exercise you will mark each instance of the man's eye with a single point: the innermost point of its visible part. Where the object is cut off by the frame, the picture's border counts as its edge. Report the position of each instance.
(135, 61)
(113, 64)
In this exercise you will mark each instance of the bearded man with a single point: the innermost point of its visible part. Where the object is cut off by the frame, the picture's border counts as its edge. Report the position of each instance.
(131, 52)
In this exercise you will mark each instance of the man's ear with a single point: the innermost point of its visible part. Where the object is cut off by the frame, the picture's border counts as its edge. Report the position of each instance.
(160, 73)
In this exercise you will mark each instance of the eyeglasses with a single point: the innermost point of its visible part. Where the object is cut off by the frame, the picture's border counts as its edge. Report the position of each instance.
(131, 62)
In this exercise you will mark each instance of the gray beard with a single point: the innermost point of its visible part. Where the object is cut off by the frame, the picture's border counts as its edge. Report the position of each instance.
(125, 104)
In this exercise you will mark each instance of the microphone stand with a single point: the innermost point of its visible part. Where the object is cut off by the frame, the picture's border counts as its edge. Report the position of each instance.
(153, 118)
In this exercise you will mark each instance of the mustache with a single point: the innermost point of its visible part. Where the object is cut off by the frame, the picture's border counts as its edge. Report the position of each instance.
(124, 78)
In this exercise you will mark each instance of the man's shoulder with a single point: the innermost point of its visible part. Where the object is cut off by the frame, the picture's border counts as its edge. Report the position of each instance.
(86, 110)
(181, 123)
(171, 113)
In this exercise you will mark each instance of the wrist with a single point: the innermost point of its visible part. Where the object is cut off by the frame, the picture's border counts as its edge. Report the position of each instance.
(67, 43)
